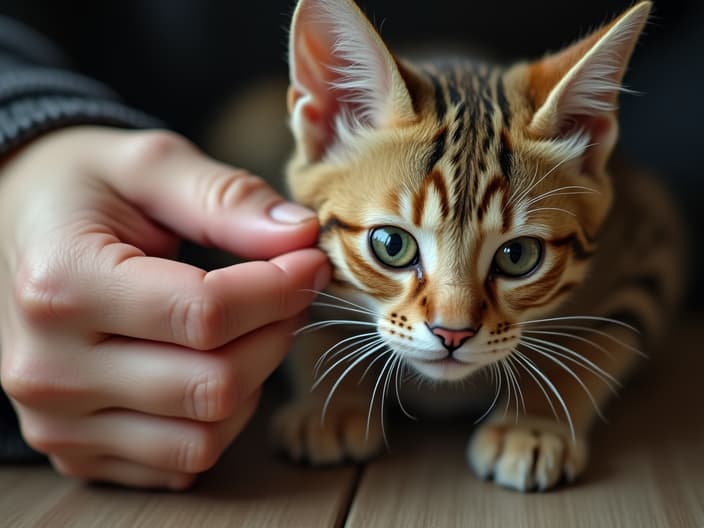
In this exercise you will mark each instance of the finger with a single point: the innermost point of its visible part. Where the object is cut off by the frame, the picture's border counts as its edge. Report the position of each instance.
(108, 287)
(123, 472)
(167, 301)
(166, 444)
(179, 382)
(206, 201)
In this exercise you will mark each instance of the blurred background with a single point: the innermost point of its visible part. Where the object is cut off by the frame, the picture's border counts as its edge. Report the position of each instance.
(183, 60)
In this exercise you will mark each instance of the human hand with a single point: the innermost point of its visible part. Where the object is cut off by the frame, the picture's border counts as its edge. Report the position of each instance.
(125, 366)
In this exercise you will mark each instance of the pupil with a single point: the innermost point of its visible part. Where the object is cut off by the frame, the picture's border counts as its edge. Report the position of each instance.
(515, 251)
(394, 244)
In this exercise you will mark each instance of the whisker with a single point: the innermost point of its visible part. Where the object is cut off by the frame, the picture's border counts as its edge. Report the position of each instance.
(547, 174)
(598, 332)
(560, 191)
(494, 372)
(356, 340)
(350, 356)
(595, 369)
(327, 357)
(384, 392)
(346, 308)
(369, 367)
(331, 322)
(512, 382)
(400, 366)
(342, 377)
(557, 209)
(571, 336)
(551, 356)
(371, 402)
(578, 318)
(554, 390)
(537, 382)
(337, 363)
(515, 375)
(555, 194)
(336, 298)
(508, 388)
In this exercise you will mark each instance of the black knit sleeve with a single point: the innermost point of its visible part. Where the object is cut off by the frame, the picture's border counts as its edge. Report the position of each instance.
(39, 93)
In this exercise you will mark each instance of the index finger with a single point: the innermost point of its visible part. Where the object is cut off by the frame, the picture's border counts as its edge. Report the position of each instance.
(162, 300)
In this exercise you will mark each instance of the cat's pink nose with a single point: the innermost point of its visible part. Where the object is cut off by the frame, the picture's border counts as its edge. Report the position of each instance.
(453, 339)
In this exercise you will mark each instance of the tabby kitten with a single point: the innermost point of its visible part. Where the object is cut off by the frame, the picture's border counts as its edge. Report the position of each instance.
(473, 227)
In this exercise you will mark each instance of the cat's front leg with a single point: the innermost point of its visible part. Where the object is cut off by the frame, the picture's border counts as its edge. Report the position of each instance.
(536, 450)
(336, 421)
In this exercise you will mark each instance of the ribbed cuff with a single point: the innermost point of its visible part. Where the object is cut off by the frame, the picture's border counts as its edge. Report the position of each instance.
(34, 81)
(26, 118)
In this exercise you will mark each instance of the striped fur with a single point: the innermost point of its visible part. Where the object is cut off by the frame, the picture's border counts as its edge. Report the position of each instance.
(485, 159)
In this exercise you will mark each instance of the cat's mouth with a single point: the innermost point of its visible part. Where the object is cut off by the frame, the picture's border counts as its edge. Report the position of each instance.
(447, 368)
(445, 361)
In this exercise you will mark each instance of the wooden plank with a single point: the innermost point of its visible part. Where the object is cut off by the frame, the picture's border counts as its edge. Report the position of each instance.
(250, 487)
(647, 466)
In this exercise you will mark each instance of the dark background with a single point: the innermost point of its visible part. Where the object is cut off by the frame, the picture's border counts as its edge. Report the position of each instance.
(181, 59)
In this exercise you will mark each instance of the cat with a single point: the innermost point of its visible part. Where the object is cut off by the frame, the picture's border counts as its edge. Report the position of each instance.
(475, 223)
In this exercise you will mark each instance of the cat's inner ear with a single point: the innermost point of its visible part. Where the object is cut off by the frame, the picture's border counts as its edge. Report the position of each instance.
(342, 76)
(576, 90)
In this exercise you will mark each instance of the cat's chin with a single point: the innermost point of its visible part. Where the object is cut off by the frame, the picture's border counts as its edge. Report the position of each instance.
(444, 369)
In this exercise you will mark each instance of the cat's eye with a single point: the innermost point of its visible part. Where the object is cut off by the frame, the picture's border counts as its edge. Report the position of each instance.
(394, 247)
(518, 257)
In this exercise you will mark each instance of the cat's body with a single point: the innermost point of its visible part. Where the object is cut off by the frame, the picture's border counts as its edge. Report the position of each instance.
(463, 205)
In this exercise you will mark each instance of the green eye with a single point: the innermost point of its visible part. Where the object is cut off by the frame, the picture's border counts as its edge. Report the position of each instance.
(518, 257)
(394, 247)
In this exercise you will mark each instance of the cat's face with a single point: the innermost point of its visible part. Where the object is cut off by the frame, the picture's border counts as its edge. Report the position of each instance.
(456, 202)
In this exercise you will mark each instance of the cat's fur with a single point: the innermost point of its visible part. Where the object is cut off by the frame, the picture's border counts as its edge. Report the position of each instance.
(467, 157)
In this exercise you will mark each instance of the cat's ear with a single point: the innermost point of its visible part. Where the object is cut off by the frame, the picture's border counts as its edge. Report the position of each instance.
(576, 90)
(342, 76)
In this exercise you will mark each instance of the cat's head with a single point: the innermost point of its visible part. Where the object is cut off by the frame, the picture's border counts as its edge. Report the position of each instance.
(457, 200)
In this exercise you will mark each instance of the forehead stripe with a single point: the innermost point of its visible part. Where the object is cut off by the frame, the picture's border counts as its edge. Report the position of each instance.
(440, 103)
(496, 185)
(439, 143)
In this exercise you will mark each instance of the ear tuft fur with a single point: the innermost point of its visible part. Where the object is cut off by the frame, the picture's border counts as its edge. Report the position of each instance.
(342, 75)
(576, 90)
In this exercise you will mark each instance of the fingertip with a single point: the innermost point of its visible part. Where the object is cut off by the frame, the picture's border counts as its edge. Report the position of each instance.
(310, 271)
(311, 261)
(322, 278)
(262, 236)
(288, 213)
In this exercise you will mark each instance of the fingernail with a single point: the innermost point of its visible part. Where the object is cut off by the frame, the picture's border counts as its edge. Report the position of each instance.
(290, 213)
(322, 278)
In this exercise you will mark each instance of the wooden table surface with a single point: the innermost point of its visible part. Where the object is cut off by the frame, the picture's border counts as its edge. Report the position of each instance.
(647, 470)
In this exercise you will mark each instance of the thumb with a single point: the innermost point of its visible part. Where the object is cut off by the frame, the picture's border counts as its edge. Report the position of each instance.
(206, 201)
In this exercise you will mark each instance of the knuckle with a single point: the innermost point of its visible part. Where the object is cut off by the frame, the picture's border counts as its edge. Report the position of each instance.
(41, 436)
(144, 149)
(227, 188)
(211, 397)
(199, 322)
(41, 295)
(199, 451)
(71, 469)
(22, 377)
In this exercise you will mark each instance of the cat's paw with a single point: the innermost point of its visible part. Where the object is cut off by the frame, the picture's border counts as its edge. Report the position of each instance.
(533, 454)
(297, 430)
